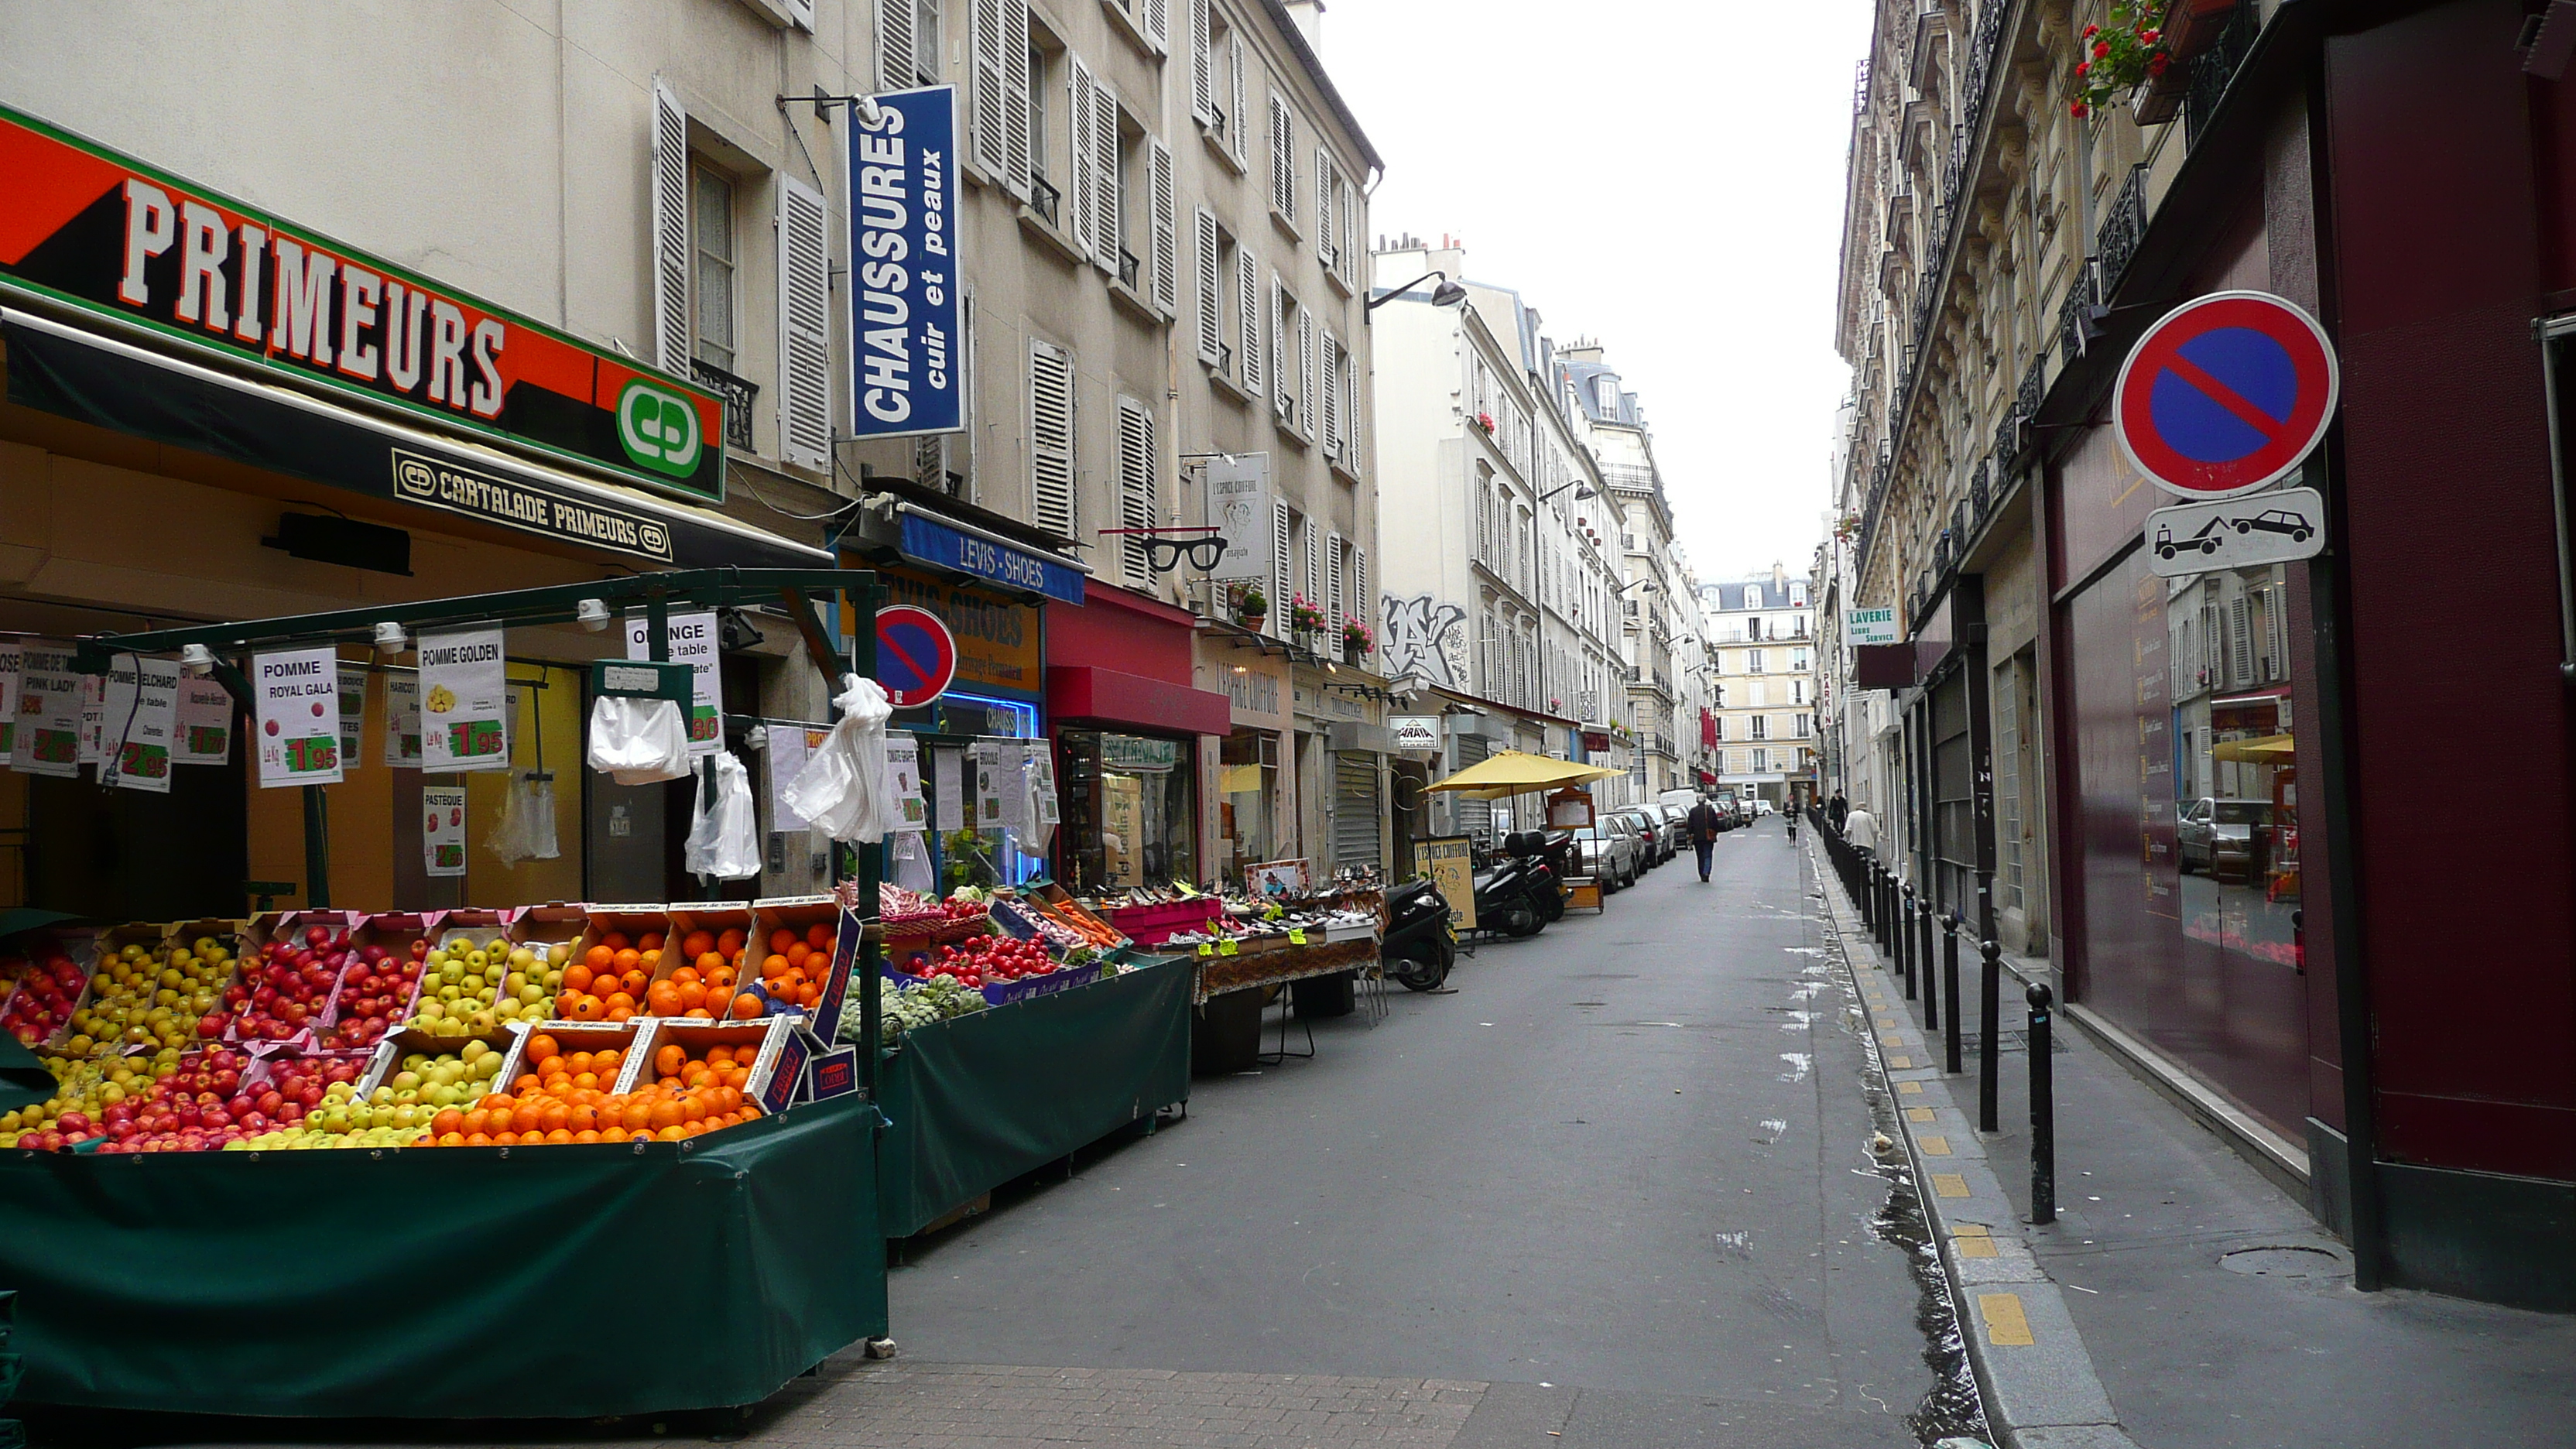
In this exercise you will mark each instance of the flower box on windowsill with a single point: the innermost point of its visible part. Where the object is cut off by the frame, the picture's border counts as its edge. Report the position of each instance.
(2193, 26)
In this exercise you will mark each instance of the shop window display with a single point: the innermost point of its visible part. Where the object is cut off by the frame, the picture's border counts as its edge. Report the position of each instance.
(1130, 810)
(1247, 779)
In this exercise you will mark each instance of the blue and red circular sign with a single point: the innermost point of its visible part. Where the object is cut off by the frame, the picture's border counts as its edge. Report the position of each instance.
(916, 655)
(2225, 395)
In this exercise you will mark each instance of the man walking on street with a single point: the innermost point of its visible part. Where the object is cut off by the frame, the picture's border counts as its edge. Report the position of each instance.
(1703, 833)
(1862, 831)
(1836, 809)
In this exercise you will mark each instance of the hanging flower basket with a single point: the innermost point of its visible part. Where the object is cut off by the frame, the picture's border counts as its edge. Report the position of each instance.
(2120, 55)
(1251, 608)
(1304, 617)
(1486, 422)
(1356, 640)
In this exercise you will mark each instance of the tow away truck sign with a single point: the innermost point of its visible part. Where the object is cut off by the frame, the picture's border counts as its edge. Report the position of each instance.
(2281, 526)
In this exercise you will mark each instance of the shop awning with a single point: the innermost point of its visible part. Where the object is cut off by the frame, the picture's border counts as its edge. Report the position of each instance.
(1082, 692)
(1515, 772)
(95, 379)
(2269, 750)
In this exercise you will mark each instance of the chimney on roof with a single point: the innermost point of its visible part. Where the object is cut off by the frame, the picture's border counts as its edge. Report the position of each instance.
(1309, 15)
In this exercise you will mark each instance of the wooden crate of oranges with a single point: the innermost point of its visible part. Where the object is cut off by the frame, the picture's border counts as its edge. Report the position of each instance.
(561, 1095)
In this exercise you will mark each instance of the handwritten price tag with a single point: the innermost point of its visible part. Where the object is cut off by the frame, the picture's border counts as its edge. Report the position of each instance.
(1206, 950)
(1297, 937)
(1226, 947)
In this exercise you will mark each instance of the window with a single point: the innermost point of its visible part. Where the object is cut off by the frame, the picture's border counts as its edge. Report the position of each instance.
(1797, 691)
(1215, 258)
(711, 271)
(1041, 66)
(1762, 726)
(908, 44)
(1051, 408)
(1147, 785)
(1753, 597)
(1761, 761)
(1798, 662)
(1248, 353)
(1798, 594)
(1140, 502)
(1283, 160)
(1753, 627)
(1753, 661)
(1803, 730)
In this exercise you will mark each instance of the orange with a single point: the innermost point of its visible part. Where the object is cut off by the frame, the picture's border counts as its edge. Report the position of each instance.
(475, 1123)
(692, 993)
(599, 958)
(651, 941)
(797, 953)
(447, 1121)
(526, 1117)
(608, 1062)
(663, 999)
(666, 1113)
(584, 1118)
(542, 1048)
(685, 975)
(577, 1062)
(781, 939)
(451, 1139)
(698, 1013)
(552, 1115)
(576, 978)
(616, 941)
(730, 940)
(773, 966)
(477, 1139)
(636, 1115)
(720, 979)
(628, 960)
(633, 982)
(586, 1008)
(668, 1061)
(708, 963)
(696, 944)
(586, 1081)
(719, 1055)
(527, 1082)
(585, 1137)
(820, 936)
(808, 994)
(649, 960)
(673, 1133)
(558, 1135)
(621, 1001)
(621, 1013)
(746, 1006)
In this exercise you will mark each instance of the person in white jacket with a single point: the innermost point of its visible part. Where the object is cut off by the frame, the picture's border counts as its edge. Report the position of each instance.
(1861, 829)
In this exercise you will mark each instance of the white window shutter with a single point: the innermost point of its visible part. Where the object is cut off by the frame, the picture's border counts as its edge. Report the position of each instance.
(671, 327)
(1332, 399)
(990, 136)
(1314, 552)
(1282, 362)
(1333, 579)
(1202, 63)
(1283, 159)
(1363, 605)
(1247, 352)
(804, 325)
(1280, 571)
(1051, 438)
(801, 14)
(1157, 18)
(896, 63)
(1211, 287)
(1104, 174)
(1083, 186)
(1348, 210)
(1167, 243)
(1016, 160)
(1239, 119)
(1306, 409)
(1138, 505)
(1324, 202)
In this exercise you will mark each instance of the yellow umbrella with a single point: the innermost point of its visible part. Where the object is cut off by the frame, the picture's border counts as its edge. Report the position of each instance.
(1515, 772)
(2269, 750)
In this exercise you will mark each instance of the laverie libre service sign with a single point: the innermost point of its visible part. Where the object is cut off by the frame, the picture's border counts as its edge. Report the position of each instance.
(905, 320)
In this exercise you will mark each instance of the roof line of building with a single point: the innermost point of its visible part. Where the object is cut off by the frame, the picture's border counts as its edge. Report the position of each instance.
(1306, 56)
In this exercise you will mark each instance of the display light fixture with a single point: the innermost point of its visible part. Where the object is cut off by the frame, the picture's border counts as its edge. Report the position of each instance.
(390, 639)
(197, 659)
(591, 614)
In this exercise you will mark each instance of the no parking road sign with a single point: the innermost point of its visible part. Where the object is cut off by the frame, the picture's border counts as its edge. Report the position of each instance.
(2225, 395)
(916, 655)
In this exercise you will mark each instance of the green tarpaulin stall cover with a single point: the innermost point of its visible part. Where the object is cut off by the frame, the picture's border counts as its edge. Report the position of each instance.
(977, 1100)
(563, 1281)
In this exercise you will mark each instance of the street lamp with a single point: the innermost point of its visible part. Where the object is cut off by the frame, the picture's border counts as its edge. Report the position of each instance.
(1447, 294)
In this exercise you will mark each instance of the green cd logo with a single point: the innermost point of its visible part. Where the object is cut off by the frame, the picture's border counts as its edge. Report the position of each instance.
(658, 428)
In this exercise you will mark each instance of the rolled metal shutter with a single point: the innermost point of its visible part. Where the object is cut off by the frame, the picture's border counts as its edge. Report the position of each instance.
(1358, 814)
(1474, 817)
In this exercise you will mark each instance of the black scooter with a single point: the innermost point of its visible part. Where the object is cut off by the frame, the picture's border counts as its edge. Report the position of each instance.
(1548, 854)
(1418, 946)
(1506, 900)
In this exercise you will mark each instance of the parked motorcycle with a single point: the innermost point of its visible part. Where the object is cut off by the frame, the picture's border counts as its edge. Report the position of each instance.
(1418, 947)
(1506, 896)
(1549, 857)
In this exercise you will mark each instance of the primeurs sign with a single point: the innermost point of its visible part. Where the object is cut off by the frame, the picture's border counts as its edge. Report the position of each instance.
(88, 226)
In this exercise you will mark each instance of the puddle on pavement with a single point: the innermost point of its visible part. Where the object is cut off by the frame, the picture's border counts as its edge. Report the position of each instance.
(1951, 1409)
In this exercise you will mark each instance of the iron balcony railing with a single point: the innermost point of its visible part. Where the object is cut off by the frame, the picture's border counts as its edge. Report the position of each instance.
(2123, 227)
(1128, 267)
(2215, 68)
(1046, 200)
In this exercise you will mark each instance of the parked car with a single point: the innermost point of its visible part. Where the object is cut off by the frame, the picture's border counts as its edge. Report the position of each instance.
(1643, 831)
(2223, 837)
(1676, 827)
(1608, 854)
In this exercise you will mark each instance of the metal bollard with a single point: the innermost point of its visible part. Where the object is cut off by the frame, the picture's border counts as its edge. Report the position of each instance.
(1923, 954)
(1878, 908)
(1950, 987)
(2043, 1111)
(1905, 938)
(1990, 1020)
(1864, 887)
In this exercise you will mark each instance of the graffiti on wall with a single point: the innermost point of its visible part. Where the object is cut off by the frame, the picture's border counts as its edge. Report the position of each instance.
(1422, 638)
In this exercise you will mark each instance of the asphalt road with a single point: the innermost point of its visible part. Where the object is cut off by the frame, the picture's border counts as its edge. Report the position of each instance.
(1623, 1174)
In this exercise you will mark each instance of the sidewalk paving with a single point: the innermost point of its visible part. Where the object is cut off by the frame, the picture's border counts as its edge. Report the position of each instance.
(2188, 1349)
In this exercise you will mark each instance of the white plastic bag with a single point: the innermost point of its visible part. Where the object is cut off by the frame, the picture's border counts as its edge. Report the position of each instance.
(724, 839)
(845, 789)
(508, 838)
(638, 741)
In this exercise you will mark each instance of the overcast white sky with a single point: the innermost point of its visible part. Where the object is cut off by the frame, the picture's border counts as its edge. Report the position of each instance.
(1664, 175)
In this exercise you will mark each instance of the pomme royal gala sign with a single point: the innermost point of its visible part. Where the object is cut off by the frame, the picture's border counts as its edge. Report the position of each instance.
(87, 226)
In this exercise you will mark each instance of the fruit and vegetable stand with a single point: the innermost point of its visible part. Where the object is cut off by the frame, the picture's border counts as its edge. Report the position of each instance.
(539, 1097)
(447, 1283)
(975, 1100)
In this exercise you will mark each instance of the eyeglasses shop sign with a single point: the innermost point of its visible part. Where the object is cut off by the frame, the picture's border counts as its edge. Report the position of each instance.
(903, 291)
(1413, 731)
(1869, 626)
